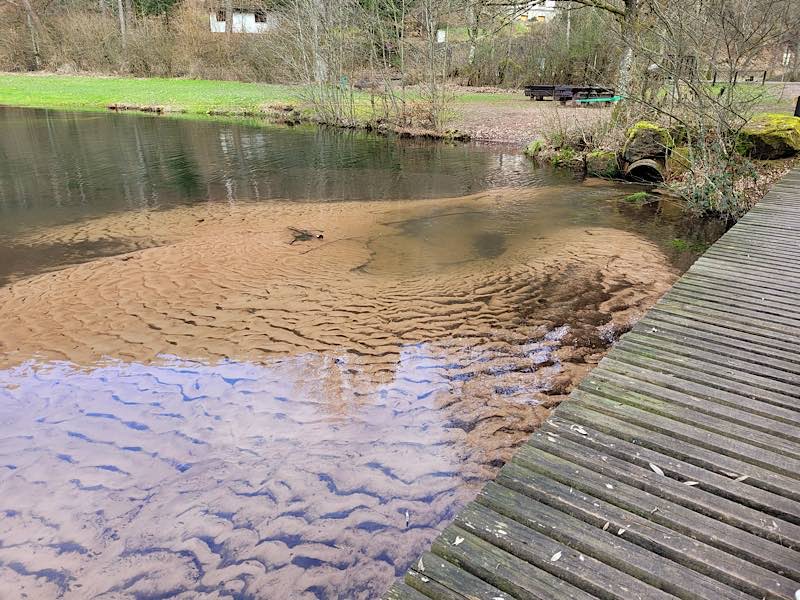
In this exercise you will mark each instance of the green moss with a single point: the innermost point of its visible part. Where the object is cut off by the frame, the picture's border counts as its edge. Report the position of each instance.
(649, 126)
(770, 136)
(534, 148)
(637, 198)
(684, 246)
(602, 163)
(563, 157)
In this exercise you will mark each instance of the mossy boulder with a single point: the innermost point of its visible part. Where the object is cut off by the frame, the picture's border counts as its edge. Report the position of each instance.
(602, 163)
(770, 136)
(567, 157)
(647, 140)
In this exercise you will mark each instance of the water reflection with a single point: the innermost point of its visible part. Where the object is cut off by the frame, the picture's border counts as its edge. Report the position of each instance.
(58, 166)
(287, 479)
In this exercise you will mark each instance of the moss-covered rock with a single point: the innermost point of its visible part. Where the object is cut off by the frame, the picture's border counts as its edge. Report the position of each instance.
(646, 140)
(770, 136)
(567, 157)
(602, 163)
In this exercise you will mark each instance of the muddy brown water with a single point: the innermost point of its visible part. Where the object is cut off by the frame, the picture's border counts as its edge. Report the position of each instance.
(195, 403)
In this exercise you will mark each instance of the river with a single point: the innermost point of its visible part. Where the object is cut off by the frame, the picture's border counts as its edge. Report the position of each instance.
(240, 361)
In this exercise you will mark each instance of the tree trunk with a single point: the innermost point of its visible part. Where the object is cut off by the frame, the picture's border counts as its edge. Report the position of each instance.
(32, 22)
(473, 31)
(629, 26)
(123, 28)
(228, 17)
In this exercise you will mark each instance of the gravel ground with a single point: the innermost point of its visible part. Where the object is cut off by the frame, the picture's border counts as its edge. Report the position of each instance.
(520, 121)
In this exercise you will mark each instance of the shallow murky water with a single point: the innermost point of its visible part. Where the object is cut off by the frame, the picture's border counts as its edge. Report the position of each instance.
(196, 403)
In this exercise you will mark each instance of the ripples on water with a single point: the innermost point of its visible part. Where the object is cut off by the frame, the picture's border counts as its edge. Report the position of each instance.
(229, 415)
(296, 477)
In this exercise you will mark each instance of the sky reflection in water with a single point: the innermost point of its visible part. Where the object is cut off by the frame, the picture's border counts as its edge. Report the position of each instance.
(273, 480)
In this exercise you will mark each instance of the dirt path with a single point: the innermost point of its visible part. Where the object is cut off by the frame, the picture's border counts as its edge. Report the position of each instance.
(519, 121)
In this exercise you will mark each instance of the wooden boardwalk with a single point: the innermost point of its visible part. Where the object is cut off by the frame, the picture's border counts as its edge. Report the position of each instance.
(673, 471)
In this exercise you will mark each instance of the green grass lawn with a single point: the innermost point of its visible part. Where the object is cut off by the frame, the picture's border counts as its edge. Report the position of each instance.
(92, 93)
(192, 95)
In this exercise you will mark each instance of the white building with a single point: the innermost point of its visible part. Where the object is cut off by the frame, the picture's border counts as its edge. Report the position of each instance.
(245, 20)
(539, 11)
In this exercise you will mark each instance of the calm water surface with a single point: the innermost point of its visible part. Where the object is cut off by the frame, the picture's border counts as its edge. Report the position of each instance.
(233, 415)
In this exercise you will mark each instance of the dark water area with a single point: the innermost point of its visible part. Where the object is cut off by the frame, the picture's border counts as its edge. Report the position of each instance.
(57, 166)
(194, 404)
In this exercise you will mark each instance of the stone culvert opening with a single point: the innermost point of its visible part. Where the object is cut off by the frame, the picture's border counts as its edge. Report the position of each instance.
(645, 170)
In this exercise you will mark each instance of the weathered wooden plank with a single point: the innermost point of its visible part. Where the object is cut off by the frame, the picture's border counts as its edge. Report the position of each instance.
(604, 545)
(663, 486)
(777, 261)
(650, 396)
(665, 309)
(661, 353)
(725, 336)
(724, 379)
(726, 283)
(440, 580)
(710, 440)
(686, 451)
(790, 324)
(661, 540)
(581, 571)
(785, 381)
(502, 569)
(740, 491)
(740, 293)
(732, 318)
(724, 272)
(762, 308)
(754, 549)
(688, 341)
(401, 591)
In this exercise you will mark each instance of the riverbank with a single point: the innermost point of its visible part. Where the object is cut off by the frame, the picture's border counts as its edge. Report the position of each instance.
(483, 114)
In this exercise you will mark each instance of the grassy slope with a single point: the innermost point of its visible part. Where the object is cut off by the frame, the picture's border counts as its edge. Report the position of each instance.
(191, 95)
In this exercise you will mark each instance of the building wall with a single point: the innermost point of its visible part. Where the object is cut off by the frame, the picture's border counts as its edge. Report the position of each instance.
(541, 12)
(244, 21)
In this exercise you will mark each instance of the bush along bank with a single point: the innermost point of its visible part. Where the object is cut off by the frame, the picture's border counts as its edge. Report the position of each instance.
(710, 181)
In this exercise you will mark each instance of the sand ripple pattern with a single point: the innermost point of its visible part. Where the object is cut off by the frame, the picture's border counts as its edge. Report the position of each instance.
(233, 415)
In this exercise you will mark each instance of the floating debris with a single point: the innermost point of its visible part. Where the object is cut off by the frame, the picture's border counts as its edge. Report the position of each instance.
(579, 429)
(304, 235)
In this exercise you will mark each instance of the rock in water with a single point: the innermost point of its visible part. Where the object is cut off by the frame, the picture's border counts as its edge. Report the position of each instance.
(602, 164)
